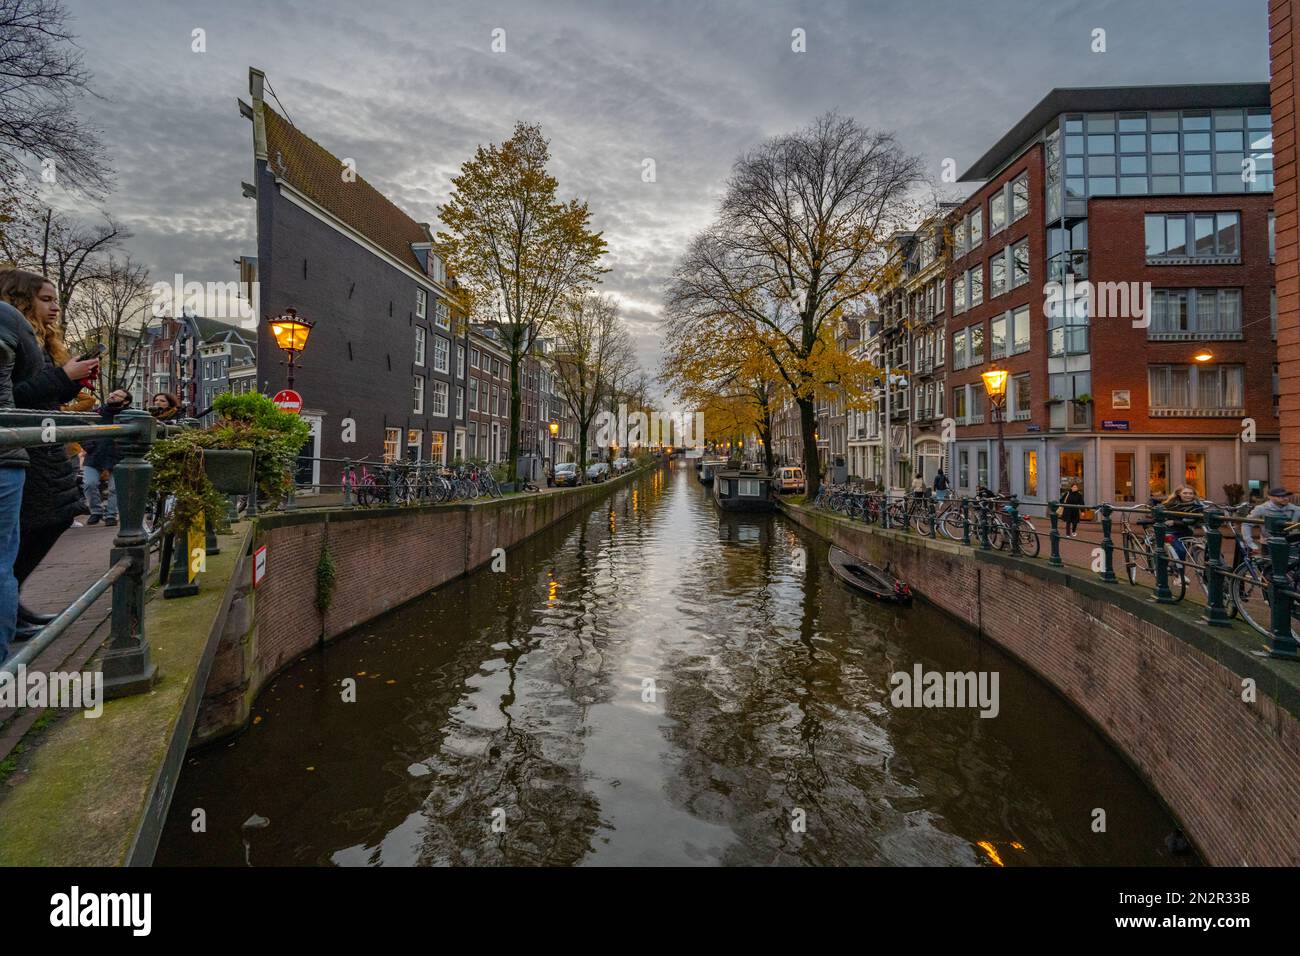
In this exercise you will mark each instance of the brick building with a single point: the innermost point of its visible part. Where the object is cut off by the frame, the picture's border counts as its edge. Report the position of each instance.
(1284, 89)
(487, 422)
(1117, 187)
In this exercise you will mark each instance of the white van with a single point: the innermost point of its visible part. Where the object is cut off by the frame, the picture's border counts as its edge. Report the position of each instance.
(790, 480)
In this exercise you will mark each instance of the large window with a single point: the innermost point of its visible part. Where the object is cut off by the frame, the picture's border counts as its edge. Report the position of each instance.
(418, 401)
(441, 354)
(977, 285)
(1010, 333)
(1181, 237)
(421, 302)
(419, 345)
(440, 390)
(1195, 313)
(1019, 403)
(959, 349)
(438, 448)
(460, 401)
(975, 225)
(1020, 263)
(997, 275)
(1031, 474)
(997, 212)
(392, 439)
(1020, 196)
(441, 314)
(473, 394)
(1189, 391)
(959, 294)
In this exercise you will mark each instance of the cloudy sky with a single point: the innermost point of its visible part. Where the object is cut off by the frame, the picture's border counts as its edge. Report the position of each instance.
(409, 89)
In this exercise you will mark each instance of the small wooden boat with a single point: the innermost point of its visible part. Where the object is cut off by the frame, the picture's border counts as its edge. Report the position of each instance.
(869, 579)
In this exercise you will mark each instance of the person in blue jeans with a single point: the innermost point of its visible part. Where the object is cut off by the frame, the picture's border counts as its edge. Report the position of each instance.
(20, 356)
(102, 456)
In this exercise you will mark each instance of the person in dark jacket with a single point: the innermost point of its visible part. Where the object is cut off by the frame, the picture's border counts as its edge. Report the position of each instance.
(20, 356)
(102, 456)
(1072, 509)
(940, 485)
(52, 491)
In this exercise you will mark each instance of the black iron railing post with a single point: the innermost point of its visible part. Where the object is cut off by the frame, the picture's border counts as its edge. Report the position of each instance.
(965, 522)
(1161, 558)
(1054, 536)
(933, 505)
(347, 482)
(983, 506)
(1107, 546)
(1283, 642)
(1015, 525)
(126, 663)
(884, 510)
(1216, 612)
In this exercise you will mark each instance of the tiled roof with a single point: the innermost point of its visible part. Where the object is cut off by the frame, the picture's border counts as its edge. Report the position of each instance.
(316, 173)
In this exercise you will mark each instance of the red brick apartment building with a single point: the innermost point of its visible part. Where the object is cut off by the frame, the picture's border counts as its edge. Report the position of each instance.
(1285, 87)
(1099, 191)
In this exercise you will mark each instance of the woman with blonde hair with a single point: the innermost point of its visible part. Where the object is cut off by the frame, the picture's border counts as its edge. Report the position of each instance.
(52, 492)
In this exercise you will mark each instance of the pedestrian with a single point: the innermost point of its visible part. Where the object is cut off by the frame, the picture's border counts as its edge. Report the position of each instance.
(20, 357)
(940, 485)
(101, 457)
(51, 494)
(1071, 510)
(918, 486)
(165, 406)
(1185, 511)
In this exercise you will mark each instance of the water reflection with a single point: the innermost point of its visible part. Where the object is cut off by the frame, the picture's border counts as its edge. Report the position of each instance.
(655, 682)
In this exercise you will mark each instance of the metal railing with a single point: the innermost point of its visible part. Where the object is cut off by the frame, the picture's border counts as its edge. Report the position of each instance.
(1269, 577)
(126, 663)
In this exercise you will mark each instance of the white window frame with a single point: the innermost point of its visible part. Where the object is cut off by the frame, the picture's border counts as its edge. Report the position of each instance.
(441, 353)
(441, 395)
(421, 302)
(418, 395)
(419, 345)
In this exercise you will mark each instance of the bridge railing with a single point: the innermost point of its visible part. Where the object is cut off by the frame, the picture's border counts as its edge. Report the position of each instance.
(1156, 543)
(126, 663)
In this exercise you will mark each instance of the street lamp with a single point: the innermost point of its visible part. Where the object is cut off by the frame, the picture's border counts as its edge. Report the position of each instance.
(1204, 355)
(995, 384)
(554, 428)
(291, 335)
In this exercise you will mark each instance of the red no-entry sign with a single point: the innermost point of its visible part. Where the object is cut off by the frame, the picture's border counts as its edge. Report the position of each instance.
(287, 400)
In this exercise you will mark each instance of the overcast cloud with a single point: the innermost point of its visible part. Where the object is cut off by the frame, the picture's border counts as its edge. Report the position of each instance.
(409, 89)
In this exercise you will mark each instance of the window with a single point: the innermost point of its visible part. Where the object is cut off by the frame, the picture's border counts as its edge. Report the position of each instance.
(460, 361)
(441, 314)
(959, 405)
(1020, 196)
(419, 345)
(963, 469)
(473, 394)
(1020, 263)
(1195, 314)
(959, 294)
(414, 441)
(959, 349)
(438, 447)
(976, 344)
(983, 458)
(1031, 474)
(977, 285)
(441, 353)
(1019, 331)
(960, 242)
(473, 358)
(997, 275)
(1194, 471)
(1178, 237)
(1019, 397)
(460, 401)
(997, 212)
(392, 436)
(440, 390)
(1158, 475)
(421, 302)
(998, 346)
(1191, 391)
(975, 223)
(419, 395)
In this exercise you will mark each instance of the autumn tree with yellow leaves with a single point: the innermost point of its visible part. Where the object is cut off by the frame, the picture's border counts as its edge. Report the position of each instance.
(800, 242)
(518, 252)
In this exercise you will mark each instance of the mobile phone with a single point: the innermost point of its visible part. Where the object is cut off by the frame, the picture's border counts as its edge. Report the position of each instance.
(94, 353)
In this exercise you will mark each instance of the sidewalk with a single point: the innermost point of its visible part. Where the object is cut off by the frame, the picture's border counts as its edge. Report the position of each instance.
(80, 557)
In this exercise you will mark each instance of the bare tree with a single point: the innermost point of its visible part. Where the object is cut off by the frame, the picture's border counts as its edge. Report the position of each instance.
(591, 351)
(111, 310)
(801, 237)
(66, 251)
(41, 78)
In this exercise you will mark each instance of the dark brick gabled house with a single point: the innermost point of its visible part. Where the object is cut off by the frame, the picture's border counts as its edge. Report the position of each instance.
(383, 353)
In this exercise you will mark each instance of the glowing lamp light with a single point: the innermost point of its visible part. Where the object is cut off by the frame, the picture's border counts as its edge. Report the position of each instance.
(554, 426)
(290, 331)
(995, 382)
(1203, 355)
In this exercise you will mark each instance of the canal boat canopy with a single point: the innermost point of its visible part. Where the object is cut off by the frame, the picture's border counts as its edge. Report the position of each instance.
(739, 490)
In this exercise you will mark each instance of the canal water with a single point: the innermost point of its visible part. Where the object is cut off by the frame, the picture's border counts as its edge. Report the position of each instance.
(656, 683)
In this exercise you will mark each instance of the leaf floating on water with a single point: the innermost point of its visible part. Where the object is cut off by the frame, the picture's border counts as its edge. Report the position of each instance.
(390, 681)
(257, 720)
(256, 822)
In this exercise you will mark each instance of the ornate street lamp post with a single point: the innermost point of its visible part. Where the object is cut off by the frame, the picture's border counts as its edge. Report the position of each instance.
(554, 428)
(291, 335)
(995, 384)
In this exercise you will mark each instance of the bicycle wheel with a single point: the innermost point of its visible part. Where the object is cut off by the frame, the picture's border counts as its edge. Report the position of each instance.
(924, 519)
(1131, 553)
(1176, 573)
(1250, 596)
(950, 524)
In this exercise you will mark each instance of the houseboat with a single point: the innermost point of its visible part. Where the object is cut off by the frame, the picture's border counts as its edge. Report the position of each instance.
(743, 491)
(706, 468)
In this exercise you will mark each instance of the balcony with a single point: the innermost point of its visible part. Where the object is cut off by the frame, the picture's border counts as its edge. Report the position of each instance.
(1197, 412)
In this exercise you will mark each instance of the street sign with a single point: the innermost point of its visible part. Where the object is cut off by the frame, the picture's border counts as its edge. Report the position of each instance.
(1114, 425)
(259, 565)
(287, 400)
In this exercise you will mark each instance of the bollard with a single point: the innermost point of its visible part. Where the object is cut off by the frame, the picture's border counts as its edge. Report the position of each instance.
(126, 663)
(1216, 612)
(965, 522)
(934, 516)
(348, 478)
(884, 510)
(1055, 536)
(1107, 546)
(1283, 642)
(211, 545)
(1015, 526)
(984, 525)
(1162, 594)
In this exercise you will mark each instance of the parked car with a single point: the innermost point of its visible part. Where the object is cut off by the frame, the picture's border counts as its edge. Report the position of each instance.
(621, 465)
(597, 471)
(566, 475)
(790, 480)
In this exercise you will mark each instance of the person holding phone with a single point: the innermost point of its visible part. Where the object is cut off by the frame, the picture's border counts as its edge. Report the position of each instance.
(52, 492)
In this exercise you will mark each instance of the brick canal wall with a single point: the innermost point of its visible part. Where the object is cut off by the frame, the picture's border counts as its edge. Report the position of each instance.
(382, 557)
(1164, 688)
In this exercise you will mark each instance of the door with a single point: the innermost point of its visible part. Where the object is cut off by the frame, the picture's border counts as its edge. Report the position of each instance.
(306, 476)
(1125, 486)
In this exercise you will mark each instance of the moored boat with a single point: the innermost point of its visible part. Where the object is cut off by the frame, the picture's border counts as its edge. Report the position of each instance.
(707, 468)
(739, 490)
(868, 579)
